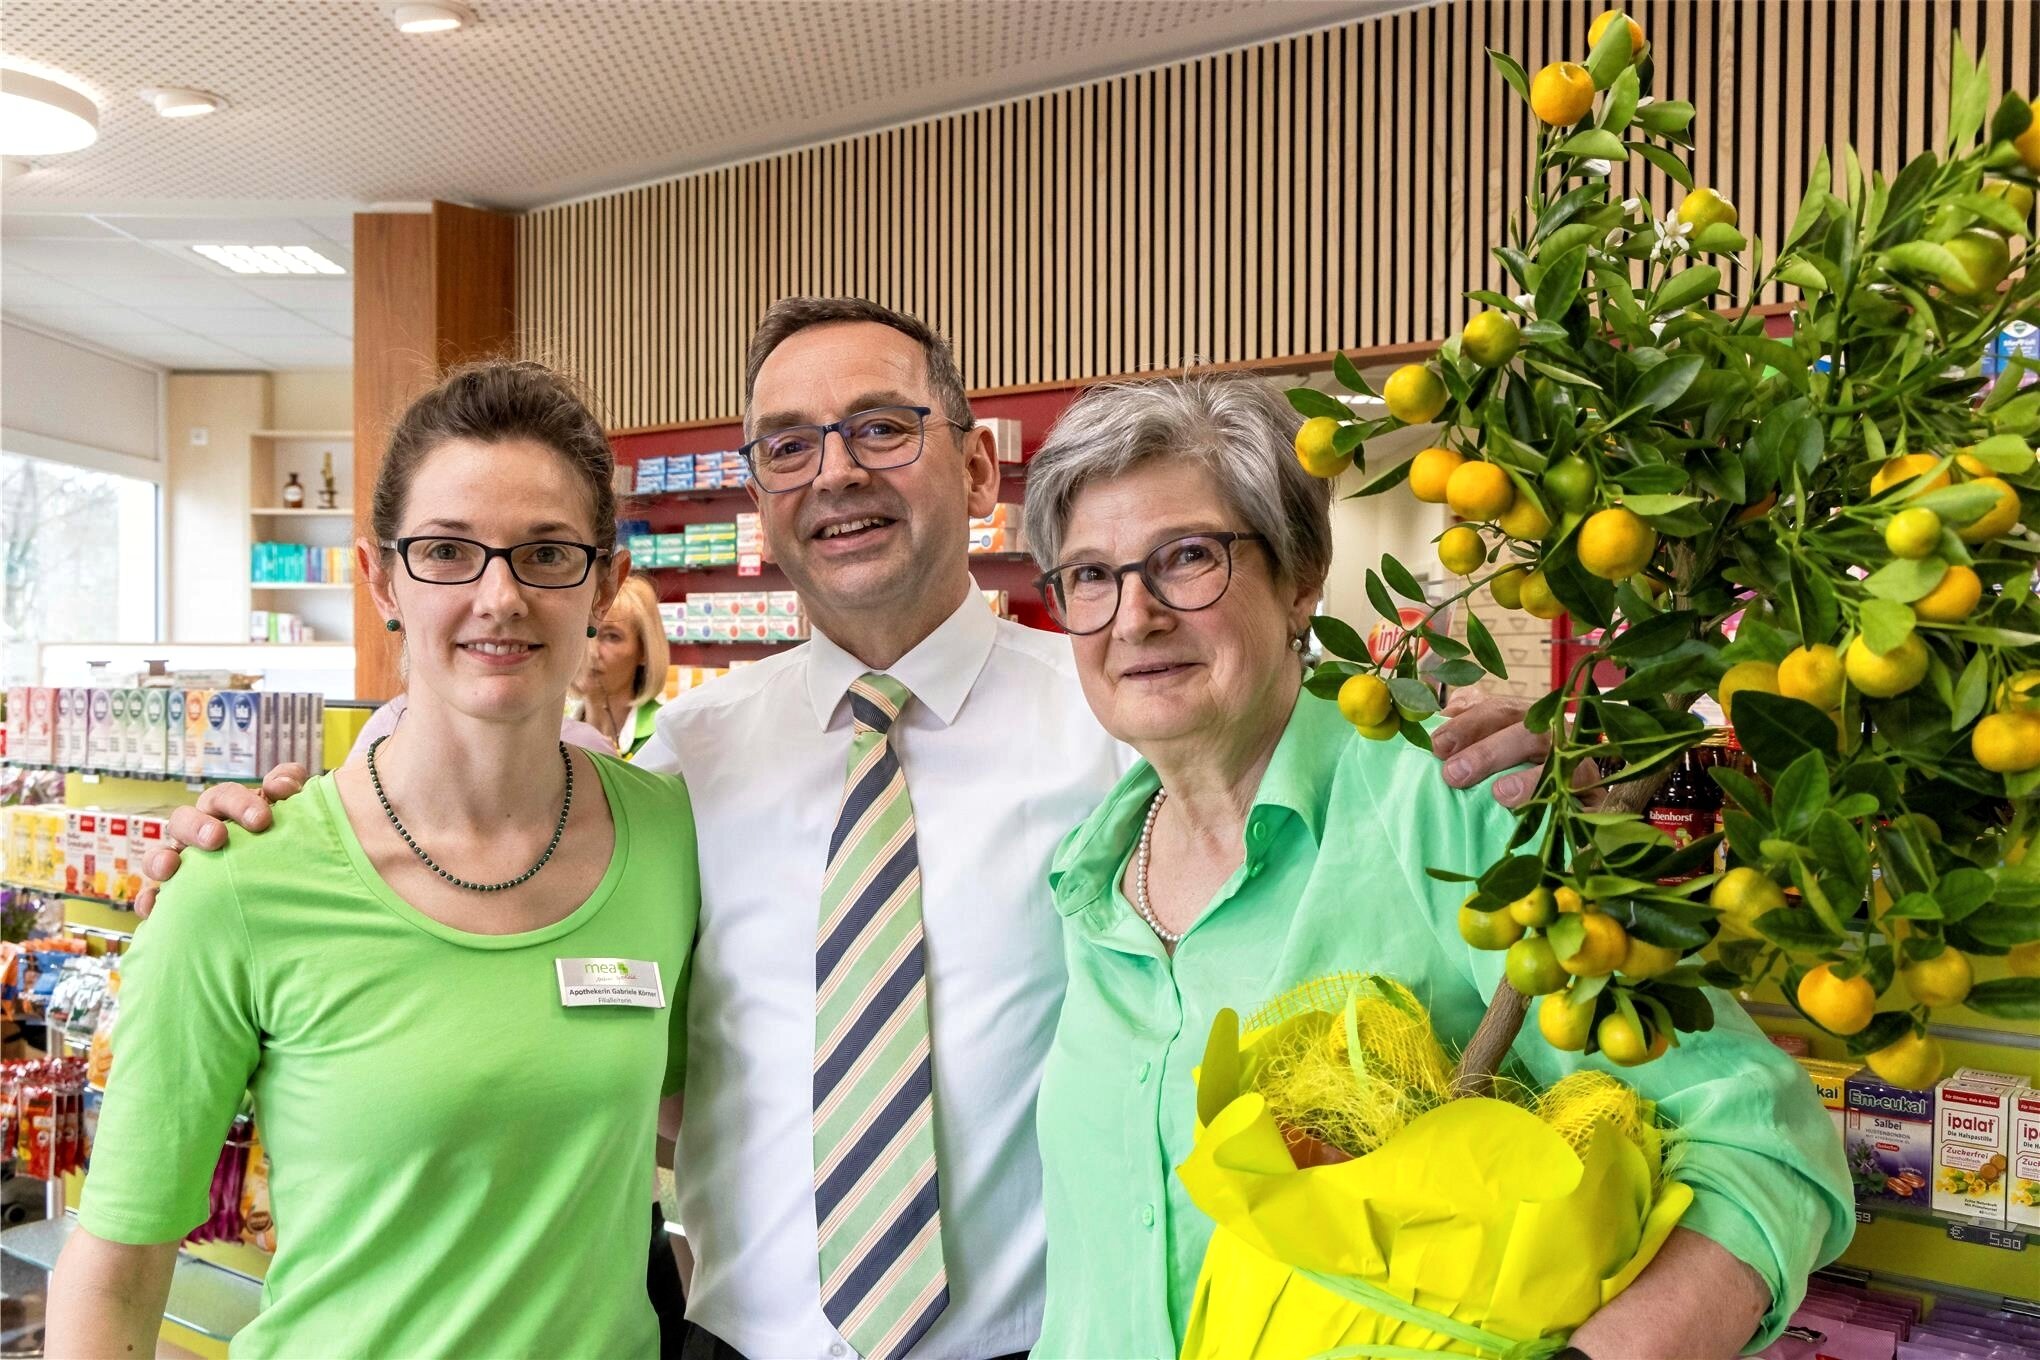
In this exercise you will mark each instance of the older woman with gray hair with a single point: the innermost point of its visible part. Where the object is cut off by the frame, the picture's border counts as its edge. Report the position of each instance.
(1260, 843)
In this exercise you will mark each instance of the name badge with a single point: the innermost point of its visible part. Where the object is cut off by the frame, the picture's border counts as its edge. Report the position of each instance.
(610, 982)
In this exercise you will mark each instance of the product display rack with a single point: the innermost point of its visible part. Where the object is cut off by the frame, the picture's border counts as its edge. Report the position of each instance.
(216, 1288)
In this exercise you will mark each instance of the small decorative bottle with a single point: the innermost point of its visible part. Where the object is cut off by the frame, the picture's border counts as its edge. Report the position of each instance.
(293, 493)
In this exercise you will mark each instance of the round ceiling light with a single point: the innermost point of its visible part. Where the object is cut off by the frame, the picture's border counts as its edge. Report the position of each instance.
(173, 101)
(441, 16)
(39, 117)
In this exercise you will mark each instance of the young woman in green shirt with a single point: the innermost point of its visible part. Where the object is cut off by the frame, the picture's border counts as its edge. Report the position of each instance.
(1260, 843)
(453, 973)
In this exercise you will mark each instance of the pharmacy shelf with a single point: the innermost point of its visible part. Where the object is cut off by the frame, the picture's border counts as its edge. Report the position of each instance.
(93, 776)
(209, 1299)
(117, 903)
(1982, 1232)
(706, 493)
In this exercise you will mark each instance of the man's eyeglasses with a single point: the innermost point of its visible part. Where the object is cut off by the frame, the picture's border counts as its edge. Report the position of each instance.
(1185, 574)
(883, 437)
(546, 564)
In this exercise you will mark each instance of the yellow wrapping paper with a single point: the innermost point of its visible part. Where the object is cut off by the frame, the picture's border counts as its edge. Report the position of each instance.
(1476, 1211)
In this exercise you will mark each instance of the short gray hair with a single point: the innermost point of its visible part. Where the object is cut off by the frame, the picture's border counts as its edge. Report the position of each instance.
(1236, 428)
(790, 316)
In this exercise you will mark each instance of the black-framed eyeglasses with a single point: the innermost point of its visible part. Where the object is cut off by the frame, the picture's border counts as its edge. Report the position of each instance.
(545, 564)
(1184, 574)
(881, 438)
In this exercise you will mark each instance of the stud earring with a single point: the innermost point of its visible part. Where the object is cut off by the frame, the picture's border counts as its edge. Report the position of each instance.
(1296, 644)
(392, 625)
(591, 630)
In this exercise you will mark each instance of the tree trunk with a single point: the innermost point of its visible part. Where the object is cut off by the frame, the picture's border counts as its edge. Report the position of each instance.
(1483, 1055)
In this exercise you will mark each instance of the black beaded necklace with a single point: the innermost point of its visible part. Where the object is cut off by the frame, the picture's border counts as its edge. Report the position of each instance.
(566, 805)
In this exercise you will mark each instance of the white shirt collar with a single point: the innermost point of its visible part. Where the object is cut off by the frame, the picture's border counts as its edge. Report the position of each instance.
(940, 670)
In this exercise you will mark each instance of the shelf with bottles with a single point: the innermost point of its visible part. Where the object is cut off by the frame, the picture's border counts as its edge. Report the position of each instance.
(299, 471)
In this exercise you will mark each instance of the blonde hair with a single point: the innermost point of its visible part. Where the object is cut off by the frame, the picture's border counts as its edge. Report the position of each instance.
(636, 610)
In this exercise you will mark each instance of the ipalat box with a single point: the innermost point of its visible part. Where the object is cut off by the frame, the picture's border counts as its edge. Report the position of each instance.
(1972, 1142)
(2022, 1197)
(135, 734)
(1890, 1140)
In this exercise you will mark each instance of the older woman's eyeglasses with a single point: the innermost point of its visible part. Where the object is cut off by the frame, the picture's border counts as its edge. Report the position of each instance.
(545, 564)
(1185, 574)
(879, 439)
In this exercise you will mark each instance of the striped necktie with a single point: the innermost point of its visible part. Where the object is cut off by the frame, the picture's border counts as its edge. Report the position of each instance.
(879, 1224)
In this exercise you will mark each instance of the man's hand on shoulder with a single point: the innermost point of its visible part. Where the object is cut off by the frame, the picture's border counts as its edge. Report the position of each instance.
(203, 827)
(1484, 735)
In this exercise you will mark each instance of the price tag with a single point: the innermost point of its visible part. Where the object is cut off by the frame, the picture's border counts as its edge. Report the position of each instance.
(1986, 1236)
(1864, 1215)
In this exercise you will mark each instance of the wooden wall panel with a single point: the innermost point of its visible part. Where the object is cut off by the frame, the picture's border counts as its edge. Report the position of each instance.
(436, 289)
(1340, 189)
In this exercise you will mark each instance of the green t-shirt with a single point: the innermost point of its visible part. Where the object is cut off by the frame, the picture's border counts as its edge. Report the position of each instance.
(459, 1163)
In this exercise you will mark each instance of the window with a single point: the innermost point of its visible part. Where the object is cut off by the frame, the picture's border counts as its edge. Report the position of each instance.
(78, 560)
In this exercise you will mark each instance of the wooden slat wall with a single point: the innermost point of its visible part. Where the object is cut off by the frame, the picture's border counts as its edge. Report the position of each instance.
(1335, 190)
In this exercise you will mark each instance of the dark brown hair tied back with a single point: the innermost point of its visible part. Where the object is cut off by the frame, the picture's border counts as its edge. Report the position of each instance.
(491, 402)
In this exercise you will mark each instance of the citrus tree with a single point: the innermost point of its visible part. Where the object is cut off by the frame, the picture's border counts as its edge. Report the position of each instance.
(1829, 531)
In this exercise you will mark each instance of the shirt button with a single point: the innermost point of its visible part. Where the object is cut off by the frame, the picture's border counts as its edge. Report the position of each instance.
(1258, 831)
(1254, 869)
(1141, 1073)
(1147, 1215)
(836, 1348)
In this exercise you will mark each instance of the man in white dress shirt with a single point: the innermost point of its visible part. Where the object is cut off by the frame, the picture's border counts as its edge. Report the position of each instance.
(1000, 756)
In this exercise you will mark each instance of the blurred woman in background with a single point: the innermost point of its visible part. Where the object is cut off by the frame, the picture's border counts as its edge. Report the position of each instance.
(623, 674)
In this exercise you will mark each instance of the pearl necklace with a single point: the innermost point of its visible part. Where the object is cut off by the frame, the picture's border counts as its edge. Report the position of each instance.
(1140, 873)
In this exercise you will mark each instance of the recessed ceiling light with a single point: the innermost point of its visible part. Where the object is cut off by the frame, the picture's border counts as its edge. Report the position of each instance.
(39, 117)
(440, 16)
(270, 259)
(176, 102)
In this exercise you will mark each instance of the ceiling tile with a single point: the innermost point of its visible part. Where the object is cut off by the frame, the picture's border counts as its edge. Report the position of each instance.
(544, 99)
(190, 353)
(21, 226)
(254, 231)
(300, 294)
(336, 320)
(285, 353)
(104, 259)
(199, 290)
(26, 288)
(234, 324)
(96, 323)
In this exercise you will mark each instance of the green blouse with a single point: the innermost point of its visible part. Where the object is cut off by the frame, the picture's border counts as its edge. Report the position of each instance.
(1333, 878)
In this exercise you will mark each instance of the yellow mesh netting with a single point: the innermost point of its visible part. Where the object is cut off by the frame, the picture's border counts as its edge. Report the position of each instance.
(1349, 1059)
